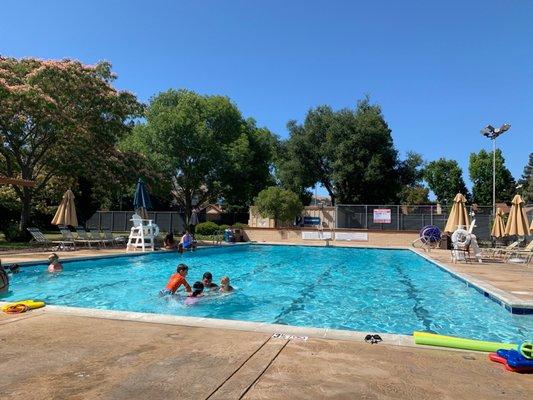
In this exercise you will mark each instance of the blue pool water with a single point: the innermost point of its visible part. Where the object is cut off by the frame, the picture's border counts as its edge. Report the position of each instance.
(369, 290)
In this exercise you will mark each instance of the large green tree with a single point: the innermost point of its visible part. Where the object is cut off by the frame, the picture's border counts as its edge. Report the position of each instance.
(445, 179)
(480, 170)
(527, 181)
(61, 119)
(411, 175)
(204, 147)
(348, 152)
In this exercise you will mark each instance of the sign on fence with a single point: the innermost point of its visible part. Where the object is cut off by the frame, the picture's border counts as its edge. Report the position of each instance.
(311, 220)
(382, 216)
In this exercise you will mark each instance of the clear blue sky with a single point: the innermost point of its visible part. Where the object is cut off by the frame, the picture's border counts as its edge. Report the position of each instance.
(440, 70)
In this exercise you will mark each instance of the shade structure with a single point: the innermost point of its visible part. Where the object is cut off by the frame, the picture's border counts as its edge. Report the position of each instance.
(498, 227)
(66, 212)
(517, 224)
(141, 199)
(531, 227)
(458, 215)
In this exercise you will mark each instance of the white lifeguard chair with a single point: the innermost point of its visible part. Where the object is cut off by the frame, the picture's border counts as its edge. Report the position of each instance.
(142, 234)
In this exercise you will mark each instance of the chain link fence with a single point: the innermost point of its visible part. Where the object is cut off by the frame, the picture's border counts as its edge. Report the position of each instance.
(388, 217)
(166, 220)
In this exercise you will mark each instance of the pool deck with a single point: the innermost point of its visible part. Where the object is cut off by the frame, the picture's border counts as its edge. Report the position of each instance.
(47, 355)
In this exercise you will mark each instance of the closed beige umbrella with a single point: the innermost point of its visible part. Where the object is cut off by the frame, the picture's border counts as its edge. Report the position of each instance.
(66, 212)
(531, 227)
(498, 228)
(458, 215)
(517, 224)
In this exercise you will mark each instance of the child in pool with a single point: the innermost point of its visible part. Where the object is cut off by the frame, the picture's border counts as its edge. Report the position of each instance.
(207, 280)
(225, 285)
(55, 265)
(193, 298)
(176, 280)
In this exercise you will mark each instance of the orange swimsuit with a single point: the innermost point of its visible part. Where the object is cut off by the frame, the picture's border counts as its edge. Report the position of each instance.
(175, 281)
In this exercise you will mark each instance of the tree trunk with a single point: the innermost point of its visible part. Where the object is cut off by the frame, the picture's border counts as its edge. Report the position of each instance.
(26, 208)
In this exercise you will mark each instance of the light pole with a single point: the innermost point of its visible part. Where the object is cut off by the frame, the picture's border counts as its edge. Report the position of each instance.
(492, 133)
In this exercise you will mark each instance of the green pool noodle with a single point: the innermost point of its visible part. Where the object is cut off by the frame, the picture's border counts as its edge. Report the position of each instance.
(526, 349)
(432, 339)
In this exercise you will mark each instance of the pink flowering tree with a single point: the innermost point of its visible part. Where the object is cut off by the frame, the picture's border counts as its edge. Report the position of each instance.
(60, 119)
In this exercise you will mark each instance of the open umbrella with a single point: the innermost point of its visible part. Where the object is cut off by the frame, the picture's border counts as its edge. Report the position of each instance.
(141, 199)
(458, 215)
(498, 228)
(517, 224)
(66, 212)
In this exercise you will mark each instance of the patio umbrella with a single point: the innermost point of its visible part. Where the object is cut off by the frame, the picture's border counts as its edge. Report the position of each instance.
(141, 199)
(66, 212)
(517, 224)
(531, 227)
(458, 215)
(498, 228)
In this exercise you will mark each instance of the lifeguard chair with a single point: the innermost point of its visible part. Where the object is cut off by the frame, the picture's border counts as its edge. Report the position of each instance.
(142, 234)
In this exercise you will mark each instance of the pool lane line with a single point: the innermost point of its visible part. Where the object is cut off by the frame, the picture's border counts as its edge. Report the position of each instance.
(306, 293)
(264, 370)
(239, 368)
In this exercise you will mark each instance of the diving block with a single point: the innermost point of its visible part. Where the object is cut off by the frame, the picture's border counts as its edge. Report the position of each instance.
(351, 236)
(316, 235)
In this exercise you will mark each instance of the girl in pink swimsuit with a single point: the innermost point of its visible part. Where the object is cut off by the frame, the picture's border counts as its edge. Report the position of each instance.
(194, 297)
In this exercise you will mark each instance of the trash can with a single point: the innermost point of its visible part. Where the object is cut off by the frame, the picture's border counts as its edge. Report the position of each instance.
(445, 242)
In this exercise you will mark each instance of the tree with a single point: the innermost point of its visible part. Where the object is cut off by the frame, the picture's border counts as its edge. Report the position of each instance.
(411, 174)
(445, 179)
(349, 152)
(480, 170)
(278, 203)
(204, 147)
(59, 119)
(527, 181)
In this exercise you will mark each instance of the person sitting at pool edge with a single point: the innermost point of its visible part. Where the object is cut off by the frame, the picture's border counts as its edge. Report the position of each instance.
(207, 280)
(186, 242)
(169, 241)
(176, 280)
(193, 298)
(225, 284)
(4, 280)
(55, 265)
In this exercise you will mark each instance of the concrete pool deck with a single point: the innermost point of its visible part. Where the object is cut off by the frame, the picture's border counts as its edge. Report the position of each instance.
(46, 355)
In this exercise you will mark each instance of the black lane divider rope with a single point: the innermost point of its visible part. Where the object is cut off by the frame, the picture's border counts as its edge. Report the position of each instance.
(237, 370)
(264, 370)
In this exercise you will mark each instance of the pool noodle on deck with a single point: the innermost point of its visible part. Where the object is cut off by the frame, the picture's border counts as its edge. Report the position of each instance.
(432, 339)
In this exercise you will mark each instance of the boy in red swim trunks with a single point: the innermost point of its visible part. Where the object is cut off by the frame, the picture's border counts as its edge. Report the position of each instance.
(176, 280)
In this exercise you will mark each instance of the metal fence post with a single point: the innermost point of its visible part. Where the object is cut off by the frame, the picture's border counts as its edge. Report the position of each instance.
(125, 222)
(431, 214)
(99, 221)
(366, 217)
(398, 211)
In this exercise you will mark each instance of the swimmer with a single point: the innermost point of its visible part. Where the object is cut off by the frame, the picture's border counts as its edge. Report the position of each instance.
(4, 280)
(193, 298)
(176, 280)
(207, 280)
(225, 285)
(14, 269)
(186, 243)
(55, 265)
(169, 241)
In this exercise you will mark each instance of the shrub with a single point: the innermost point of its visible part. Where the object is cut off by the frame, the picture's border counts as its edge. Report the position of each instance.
(207, 228)
(240, 225)
(222, 228)
(12, 233)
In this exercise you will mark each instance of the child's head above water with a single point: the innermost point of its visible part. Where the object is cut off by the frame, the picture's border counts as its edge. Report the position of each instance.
(224, 281)
(197, 288)
(182, 269)
(53, 257)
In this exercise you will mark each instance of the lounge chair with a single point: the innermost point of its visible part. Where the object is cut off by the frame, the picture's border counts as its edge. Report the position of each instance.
(95, 235)
(500, 251)
(40, 239)
(84, 238)
(118, 241)
(525, 254)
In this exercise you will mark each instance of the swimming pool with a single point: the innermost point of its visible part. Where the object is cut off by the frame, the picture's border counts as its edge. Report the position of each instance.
(370, 290)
